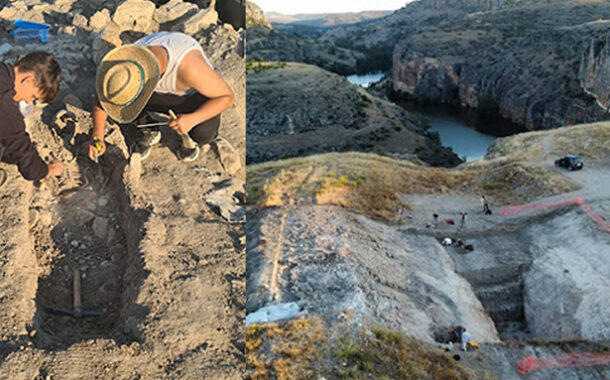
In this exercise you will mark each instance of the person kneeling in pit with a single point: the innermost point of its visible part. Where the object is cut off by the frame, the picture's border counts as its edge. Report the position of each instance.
(164, 72)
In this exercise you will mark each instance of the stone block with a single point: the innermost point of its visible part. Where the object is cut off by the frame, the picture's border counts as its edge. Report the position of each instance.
(99, 20)
(80, 21)
(104, 41)
(201, 20)
(135, 15)
(173, 10)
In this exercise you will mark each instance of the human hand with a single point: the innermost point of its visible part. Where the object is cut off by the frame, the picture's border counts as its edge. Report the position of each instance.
(182, 123)
(96, 148)
(55, 168)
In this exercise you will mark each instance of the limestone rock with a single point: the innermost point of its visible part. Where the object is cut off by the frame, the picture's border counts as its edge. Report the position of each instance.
(201, 20)
(173, 10)
(104, 41)
(255, 16)
(227, 155)
(135, 15)
(99, 20)
(71, 30)
(8, 13)
(227, 202)
(80, 21)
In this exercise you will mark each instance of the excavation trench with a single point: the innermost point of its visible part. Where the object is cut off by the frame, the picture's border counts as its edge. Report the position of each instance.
(92, 228)
(513, 269)
(500, 291)
(495, 270)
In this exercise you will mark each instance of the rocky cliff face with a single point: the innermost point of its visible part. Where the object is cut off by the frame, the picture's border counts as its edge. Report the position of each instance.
(541, 66)
(289, 47)
(595, 71)
(255, 16)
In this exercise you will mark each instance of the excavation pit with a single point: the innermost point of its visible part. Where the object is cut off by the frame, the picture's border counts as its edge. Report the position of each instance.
(85, 228)
(531, 274)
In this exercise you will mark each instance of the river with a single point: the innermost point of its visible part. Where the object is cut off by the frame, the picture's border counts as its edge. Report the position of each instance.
(465, 130)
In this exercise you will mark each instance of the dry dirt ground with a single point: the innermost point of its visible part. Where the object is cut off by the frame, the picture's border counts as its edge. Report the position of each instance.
(166, 271)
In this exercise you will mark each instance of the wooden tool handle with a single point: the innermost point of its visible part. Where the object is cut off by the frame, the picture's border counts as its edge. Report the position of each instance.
(76, 291)
(187, 141)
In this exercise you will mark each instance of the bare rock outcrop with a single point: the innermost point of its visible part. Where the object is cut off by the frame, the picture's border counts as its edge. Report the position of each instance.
(595, 71)
(567, 294)
(336, 263)
(266, 44)
(136, 15)
(255, 16)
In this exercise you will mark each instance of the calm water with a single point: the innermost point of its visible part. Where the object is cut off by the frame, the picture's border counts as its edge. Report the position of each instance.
(366, 79)
(466, 131)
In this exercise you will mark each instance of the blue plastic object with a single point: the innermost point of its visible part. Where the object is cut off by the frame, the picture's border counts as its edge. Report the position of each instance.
(30, 36)
(20, 24)
(28, 32)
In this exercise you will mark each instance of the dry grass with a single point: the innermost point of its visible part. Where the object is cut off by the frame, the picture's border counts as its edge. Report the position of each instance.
(284, 351)
(385, 354)
(373, 185)
(587, 140)
(306, 349)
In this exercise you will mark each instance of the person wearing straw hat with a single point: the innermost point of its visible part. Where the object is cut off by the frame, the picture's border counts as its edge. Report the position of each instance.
(165, 72)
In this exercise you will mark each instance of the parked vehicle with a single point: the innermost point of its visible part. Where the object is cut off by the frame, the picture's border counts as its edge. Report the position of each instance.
(570, 162)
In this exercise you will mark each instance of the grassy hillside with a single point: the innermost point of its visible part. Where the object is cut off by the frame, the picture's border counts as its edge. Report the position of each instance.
(372, 185)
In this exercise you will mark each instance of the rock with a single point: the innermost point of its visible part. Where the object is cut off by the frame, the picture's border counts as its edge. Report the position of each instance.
(135, 15)
(5, 48)
(73, 100)
(255, 16)
(99, 20)
(74, 243)
(224, 202)
(173, 10)
(63, 117)
(80, 21)
(20, 5)
(132, 173)
(100, 227)
(71, 30)
(201, 20)
(104, 41)
(227, 155)
(102, 201)
(8, 13)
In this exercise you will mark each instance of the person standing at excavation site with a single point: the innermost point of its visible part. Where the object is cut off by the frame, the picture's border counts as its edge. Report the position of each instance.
(34, 77)
(165, 72)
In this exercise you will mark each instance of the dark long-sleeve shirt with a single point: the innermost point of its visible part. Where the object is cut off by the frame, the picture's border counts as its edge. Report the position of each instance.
(18, 148)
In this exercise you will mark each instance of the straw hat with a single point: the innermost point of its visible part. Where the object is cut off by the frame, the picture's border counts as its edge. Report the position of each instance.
(125, 80)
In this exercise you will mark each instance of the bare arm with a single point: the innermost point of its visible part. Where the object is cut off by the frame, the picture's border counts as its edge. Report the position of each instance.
(99, 123)
(197, 74)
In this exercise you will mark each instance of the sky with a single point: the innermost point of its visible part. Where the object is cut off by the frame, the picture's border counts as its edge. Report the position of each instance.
(327, 6)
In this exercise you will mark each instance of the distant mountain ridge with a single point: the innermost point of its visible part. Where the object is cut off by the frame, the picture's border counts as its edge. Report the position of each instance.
(324, 19)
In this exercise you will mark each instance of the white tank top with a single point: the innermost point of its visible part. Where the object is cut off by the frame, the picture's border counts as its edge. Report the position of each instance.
(177, 46)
